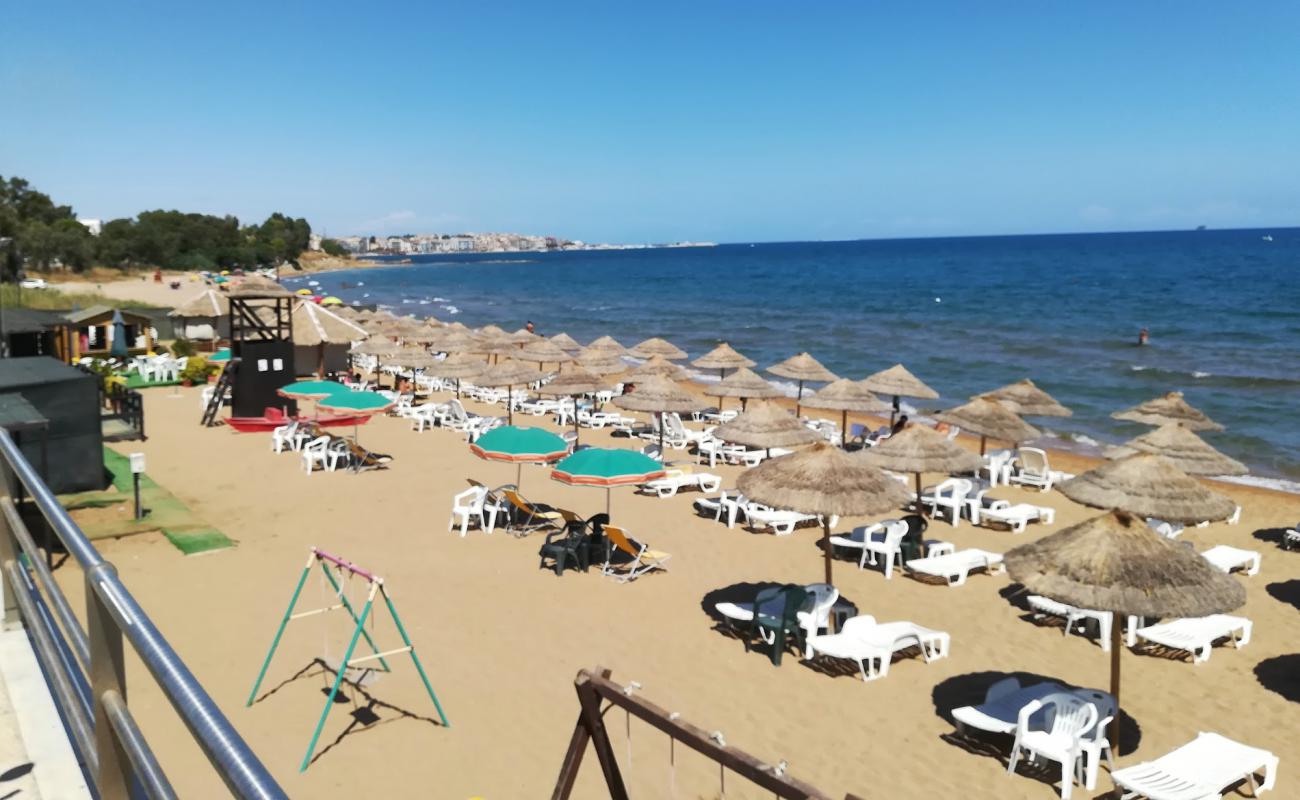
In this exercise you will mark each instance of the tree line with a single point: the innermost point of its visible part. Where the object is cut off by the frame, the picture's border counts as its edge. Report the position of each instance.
(42, 235)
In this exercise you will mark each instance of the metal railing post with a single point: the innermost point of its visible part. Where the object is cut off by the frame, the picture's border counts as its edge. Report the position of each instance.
(107, 674)
(8, 552)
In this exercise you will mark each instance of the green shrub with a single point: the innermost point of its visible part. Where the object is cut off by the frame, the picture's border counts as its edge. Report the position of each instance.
(183, 348)
(197, 370)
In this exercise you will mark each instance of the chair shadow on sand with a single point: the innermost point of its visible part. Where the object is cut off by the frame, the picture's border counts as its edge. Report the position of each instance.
(1271, 535)
(365, 706)
(1281, 674)
(744, 593)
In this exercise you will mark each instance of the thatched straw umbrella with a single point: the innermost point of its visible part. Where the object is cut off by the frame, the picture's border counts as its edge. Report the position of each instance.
(722, 358)
(566, 343)
(375, 346)
(608, 345)
(316, 326)
(918, 449)
(1169, 408)
(990, 419)
(574, 383)
(1116, 563)
(745, 384)
(897, 382)
(1183, 449)
(456, 367)
(508, 373)
(455, 341)
(844, 396)
(658, 395)
(765, 426)
(422, 334)
(801, 367)
(411, 358)
(500, 345)
(600, 362)
(523, 336)
(657, 365)
(824, 480)
(543, 351)
(658, 347)
(1026, 399)
(491, 331)
(255, 286)
(1150, 486)
(206, 305)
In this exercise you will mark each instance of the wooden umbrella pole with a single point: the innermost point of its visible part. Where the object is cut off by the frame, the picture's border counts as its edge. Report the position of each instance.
(893, 413)
(798, 399)
(576, 435)
(920, 509)
(826, 548)
(510, 405)
(1116, 644)
(984, 440)
(844, 428)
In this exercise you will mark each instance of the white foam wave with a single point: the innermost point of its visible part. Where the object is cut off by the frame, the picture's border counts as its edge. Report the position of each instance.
(450, 309)
(1086, 440)
(1138, 367)
(438, 299)
(1276, 484)
(1199, 374)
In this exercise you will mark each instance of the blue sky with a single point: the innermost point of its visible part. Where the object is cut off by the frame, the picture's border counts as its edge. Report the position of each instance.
(717, 120)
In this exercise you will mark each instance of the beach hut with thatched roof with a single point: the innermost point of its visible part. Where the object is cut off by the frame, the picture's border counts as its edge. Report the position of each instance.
(722, 358)
(1170, 407)
(1183, 449)
(658, 395)
(255, 287)
(658, 347)
(1116, 563)
(765, 425)
(745, 384)
(917, 449)
(566, 343)
(508, 373)
(608, 345)
(991, 420)
(1150, 486)
(844, 395)
(321, 340)
(897, 382)
(1026, 399)
(657, 365)
(543, 351)
(825, 480)
(802, 367)
(204, 317)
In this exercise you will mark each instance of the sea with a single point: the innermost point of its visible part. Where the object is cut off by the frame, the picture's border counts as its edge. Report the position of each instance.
(965, 315)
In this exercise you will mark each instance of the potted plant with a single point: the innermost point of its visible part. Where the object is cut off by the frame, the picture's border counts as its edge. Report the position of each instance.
(196, 370)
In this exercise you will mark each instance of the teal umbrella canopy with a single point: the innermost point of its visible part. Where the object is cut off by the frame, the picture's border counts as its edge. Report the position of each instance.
(350, 402)
(607, 467)
(220, 357)
(312, 390)
(519, 444)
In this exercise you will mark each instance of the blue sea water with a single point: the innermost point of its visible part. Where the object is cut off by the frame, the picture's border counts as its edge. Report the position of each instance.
(964, 314)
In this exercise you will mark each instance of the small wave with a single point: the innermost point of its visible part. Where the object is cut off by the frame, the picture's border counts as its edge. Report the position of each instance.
(1199, 374)
(450, 309)
(1138, 367)
(1086, 440)
(361, 283)
(438, 299)
(425, 302)
(1276, 484)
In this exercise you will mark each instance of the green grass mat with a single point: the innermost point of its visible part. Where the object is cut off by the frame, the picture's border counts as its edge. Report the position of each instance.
(199, 540)
(134, 381)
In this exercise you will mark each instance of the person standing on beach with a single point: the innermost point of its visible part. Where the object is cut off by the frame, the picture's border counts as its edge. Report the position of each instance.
(531, 328)
(1144, 336)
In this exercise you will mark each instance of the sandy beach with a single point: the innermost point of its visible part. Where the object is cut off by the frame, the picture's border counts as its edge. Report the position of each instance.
(503, 640)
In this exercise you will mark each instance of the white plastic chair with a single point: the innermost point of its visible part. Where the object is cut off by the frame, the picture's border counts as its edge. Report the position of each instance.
(880, 539)
(472, 504)
(1034, 469)
(283, 436)
(1060, 741)
(1094, 744)
(318, 451)
(950, 495)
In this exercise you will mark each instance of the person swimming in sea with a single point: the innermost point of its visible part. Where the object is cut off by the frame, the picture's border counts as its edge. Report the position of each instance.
(1144, 337)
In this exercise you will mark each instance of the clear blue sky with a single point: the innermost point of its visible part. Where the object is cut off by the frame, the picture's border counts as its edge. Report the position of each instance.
(713, 119)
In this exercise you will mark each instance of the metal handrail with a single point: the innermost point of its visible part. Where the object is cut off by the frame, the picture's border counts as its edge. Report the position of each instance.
(236, 764)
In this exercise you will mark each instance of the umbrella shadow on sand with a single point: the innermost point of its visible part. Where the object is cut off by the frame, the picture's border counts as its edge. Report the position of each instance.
(744, 593)
(1271, 535)
(1281, 674)
(969, 690)
(1285, 592)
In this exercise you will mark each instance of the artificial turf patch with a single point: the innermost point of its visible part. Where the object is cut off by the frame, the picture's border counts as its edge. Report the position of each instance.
(198, 540)
(134, 381)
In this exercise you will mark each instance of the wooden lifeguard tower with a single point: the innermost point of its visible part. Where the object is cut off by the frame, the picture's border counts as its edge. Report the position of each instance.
(261, 349)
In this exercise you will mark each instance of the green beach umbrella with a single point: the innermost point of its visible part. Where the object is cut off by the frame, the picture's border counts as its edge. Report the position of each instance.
(358, 404)
(607, 467)
(311, 390)
(220, 357)
(519, 445)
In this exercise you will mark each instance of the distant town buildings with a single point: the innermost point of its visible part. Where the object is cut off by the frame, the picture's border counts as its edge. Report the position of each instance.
(434, 243)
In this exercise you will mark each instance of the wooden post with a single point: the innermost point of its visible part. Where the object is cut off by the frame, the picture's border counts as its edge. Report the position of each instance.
(920, 508)
(590, 702)
(1116, 644)
(826, 547)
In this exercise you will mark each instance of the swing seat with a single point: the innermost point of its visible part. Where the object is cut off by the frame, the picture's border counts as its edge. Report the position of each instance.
(369, 674)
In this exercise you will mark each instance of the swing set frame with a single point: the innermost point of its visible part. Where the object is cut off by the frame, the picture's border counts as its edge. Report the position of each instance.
(594, 686)
(375, 589)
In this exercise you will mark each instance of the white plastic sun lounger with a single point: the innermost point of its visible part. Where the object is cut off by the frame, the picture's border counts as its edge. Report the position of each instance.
(679, 478)
(954, 567)
(1229, 558)
(1197, 635)
(1199, 770)
(782, 523)
(1017, 516)
(873, 644)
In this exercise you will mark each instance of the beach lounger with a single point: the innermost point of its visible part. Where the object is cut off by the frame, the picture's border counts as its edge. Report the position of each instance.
(1044, 606)
(954, 567)
(1033, 469)
(1169, 530)
(880, 539)
(872, 645)
(1203, 768)
(1197, 635)
(1017, 516)
(1229, 558)
(1291, 538)
(681, 477)
(526, 517)
(781, 523)
(643, 558)
(729, 502)
(359, 459)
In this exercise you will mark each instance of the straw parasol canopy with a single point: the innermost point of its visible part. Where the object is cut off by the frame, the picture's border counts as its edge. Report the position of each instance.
(314, 325)
(918, 449)
(802, 367)
(255, 286)
(1183, 449)
(571, 383)
(1116, 563)
(766, 425)
(745, 384)
(411, 358)
(543, 351)
(825, 480)
(500, 344)
(600, 362)
(566, 343)
(457, 366)
(991, 420)
(608, 344)
(523, 336)
(1026, 399)
(492, 331)
(1150, 486)
(844, 395)
(722, 358)
(208, 303)
(897, 382)
(1168, 408)
(657, 393)
(421, 334)
(658, 347)
(459, 342)
(374, 347)
(657, 365)
(508, 373)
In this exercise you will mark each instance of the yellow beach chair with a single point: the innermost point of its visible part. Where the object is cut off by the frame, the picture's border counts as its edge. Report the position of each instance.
(643, 558)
